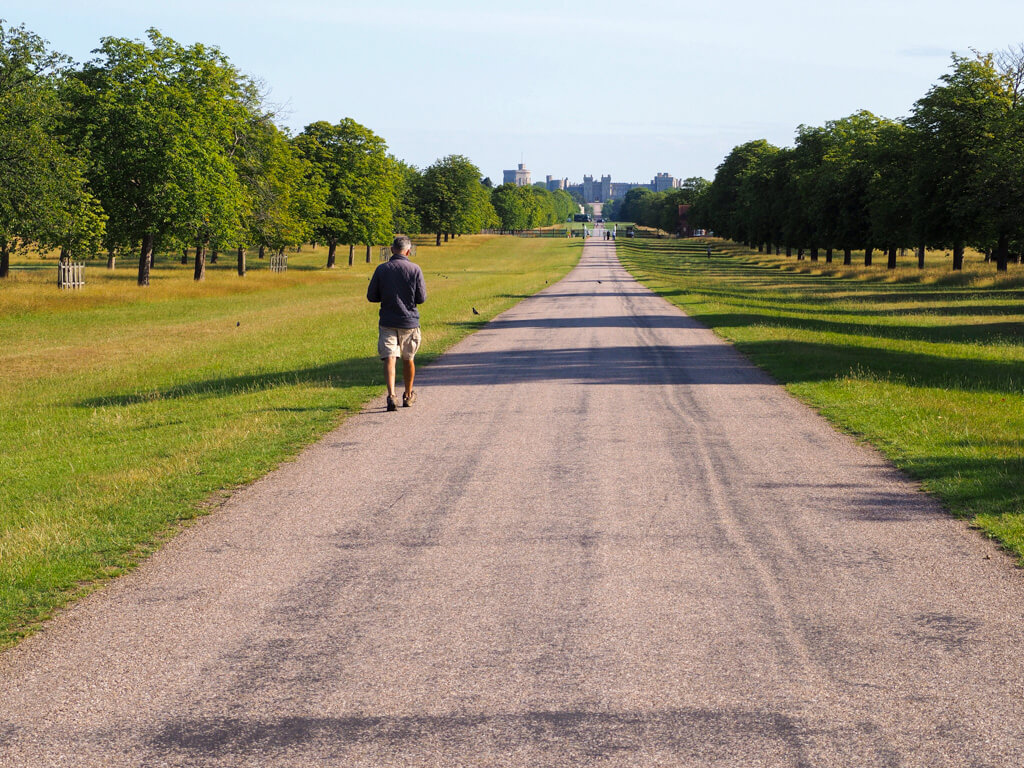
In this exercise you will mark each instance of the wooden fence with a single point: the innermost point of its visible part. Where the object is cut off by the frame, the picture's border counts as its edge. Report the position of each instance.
(279, 262)
(385, 252)
(70, 275)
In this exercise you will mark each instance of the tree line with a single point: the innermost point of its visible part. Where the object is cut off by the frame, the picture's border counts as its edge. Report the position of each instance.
(154, 145)
(660, 210)
(948, 176)
(519, 208)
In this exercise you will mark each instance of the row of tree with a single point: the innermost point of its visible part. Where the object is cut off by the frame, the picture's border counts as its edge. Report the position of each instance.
(655, 209)
(520, 208)
(951, 175)
(155, 145)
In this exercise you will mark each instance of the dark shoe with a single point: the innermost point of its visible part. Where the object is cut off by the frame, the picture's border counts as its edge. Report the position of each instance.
(408, 399)
(392, 405)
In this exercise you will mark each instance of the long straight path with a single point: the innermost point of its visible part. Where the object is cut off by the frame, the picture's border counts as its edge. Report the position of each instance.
(600, 538)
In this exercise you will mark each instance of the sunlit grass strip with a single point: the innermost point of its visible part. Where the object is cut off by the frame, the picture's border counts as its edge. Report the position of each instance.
(123, 411)
(930, 370)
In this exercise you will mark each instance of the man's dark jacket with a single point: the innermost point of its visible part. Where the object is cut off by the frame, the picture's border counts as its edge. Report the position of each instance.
(398, 286)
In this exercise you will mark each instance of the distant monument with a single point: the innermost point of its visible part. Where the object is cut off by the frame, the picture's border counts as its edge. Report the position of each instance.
(591, 190)
(520, 176)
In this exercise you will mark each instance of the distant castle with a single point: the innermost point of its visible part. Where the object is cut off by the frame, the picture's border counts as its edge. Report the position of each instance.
(591, 191)
(519, 176)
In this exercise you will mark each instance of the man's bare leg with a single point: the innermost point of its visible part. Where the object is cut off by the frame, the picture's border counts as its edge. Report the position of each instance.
(408, 374)
(389, 375)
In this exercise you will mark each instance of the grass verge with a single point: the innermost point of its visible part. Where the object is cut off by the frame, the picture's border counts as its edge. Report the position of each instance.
(924, 364)
(125, 412)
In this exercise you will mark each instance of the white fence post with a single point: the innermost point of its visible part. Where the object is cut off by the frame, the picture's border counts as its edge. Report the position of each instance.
(70, 275)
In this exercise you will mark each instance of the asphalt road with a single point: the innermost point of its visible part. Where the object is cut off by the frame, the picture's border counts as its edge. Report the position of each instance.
(600, 538)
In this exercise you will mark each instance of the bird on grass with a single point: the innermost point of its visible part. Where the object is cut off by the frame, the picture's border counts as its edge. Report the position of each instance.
(475, 312)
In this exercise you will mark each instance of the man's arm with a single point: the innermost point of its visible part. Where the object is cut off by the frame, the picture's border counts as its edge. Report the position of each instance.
(373, 289)
(421, 288)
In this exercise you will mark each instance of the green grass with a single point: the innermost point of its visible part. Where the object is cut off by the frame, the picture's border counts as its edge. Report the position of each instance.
(926, 365)
(125, 412)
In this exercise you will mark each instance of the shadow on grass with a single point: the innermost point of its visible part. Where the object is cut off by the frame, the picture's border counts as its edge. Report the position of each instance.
(799, 361)
(967, 333)
(993, 484)
(351, 372)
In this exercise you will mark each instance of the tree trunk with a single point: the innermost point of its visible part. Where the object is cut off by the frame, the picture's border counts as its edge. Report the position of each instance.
(868, 253)
(332, 247)
(760, 247)
(213, 255)
(847, 256)
(438, 239)
(65, 254)
(988, 255)
(368, 254)
(778, 250)
(184, 255)
(263, 251)
(1002, 252)
(828, 255)
(111, 260)
(199, 273)
(446, 237)
(145, 258)
(789, 251)
(891, 264)
(241, 261)
(920, 256)
(5, 259)
(351, 254)
(814, 254)
(799, 254)
(958, 256)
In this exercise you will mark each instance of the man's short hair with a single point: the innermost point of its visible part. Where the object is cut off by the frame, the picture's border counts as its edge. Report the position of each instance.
(401, 244)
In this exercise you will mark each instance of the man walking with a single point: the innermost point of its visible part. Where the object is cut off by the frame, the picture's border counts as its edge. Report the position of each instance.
(398, 286)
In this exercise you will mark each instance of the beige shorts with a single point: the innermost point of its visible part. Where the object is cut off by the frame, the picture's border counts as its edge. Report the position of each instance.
(398, 342)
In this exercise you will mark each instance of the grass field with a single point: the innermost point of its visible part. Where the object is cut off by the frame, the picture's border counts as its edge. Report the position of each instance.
(125, 411)
(926, 365)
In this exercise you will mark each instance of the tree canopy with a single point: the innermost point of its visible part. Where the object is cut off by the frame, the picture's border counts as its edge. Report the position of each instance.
(362, 182)
(948, 176)
(44, 196)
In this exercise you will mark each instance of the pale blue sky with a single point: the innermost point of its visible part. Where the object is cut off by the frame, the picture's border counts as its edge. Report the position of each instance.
(629, 88)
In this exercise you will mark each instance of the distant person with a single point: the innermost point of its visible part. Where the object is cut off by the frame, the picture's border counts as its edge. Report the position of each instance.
(398, 286)
(709, 251)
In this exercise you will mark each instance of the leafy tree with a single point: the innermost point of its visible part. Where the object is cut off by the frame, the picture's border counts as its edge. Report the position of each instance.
(285, 195)
(362, 182)
(43, 194)
(159, 122)
(543, 209)
(956, 125)
(998, 190)
(631, 208)
(755, 198)
(723, 204)
(563, 204)
(890, 208)
(405, 217)
(513, 206)
(693, 188)
(838, 195)
(451, 200)
(480, 214)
